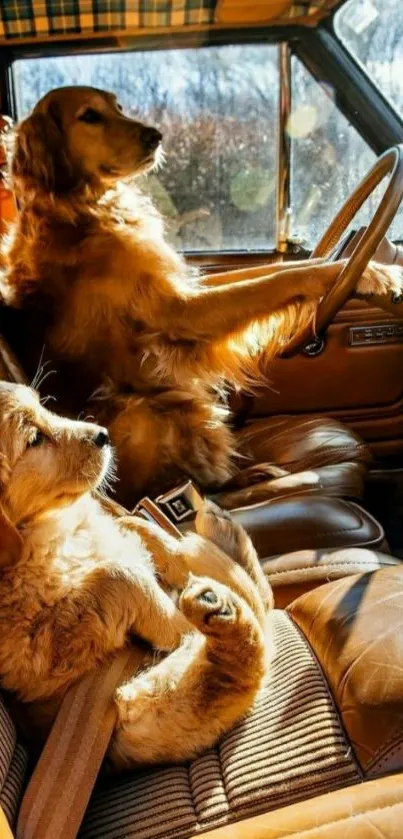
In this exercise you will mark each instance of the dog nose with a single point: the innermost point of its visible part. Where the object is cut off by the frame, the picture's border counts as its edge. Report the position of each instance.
(101, 438)
(151, 137)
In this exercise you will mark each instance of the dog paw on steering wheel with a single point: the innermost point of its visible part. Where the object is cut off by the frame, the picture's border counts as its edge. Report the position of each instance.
(380, 279)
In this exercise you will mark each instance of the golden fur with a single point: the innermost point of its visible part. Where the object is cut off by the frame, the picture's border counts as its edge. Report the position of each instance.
(77, 586)
(124, 316)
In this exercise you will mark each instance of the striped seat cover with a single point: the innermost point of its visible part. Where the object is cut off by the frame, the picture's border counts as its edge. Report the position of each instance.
(13, 766)
(292, 747)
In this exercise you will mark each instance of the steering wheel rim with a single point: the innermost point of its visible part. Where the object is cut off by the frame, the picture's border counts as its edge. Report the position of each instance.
(391, 162)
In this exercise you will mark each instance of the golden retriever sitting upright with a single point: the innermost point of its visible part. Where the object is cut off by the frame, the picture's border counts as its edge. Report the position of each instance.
(77, 586)
(122, 311)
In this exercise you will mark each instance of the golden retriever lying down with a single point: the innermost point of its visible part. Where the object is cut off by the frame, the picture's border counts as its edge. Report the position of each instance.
(77, 585)
(122, 313)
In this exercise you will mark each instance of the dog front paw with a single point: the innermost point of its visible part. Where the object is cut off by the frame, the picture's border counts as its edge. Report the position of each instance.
(210, 606)
(381, 279)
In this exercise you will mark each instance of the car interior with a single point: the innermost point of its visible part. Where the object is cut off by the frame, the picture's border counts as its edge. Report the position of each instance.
(283, 137)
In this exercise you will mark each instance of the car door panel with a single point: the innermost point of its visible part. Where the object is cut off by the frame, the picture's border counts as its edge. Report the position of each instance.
(360, 385)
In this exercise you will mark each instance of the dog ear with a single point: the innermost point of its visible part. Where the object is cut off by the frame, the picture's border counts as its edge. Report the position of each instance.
(39, 157)
(10, 541)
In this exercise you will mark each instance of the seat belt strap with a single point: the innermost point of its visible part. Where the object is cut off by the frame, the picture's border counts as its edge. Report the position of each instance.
(57, 795)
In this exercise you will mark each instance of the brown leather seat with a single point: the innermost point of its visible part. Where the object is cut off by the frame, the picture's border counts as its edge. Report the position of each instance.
(310, 506)
(316, 759)
(317, 455)
(294, 574)
(330, 719)
(302, 522)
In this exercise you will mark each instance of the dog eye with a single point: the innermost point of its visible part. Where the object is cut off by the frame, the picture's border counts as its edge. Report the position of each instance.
(36, 440)
(90, 116)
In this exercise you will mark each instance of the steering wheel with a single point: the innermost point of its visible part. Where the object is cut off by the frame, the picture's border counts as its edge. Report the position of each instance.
(389, 162)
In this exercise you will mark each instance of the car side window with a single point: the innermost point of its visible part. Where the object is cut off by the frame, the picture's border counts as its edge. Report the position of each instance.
(217, 107)
(328, 160)
(372, 31)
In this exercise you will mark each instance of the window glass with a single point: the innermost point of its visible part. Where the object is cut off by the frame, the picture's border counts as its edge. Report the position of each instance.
(328, 160)
(217, 109)
(372, 30)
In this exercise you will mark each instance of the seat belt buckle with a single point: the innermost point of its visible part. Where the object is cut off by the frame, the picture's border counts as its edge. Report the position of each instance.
(182, 503)
(172, 508)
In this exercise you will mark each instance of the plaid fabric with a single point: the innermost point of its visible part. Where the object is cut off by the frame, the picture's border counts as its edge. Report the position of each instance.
(41, 18)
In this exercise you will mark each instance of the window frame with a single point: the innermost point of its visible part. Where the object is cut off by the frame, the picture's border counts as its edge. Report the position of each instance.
(322, 53)
(366, 108)
(273, 36)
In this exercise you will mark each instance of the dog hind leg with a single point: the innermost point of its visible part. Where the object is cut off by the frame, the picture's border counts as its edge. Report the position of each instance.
(182, 705)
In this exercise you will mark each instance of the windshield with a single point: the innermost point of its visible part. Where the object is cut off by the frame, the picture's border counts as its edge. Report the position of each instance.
(217, 109)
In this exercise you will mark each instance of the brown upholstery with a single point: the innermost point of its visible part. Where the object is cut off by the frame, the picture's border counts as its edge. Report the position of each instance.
(341, 480)
(319, 455)
(355, 628)
(346, 380)
(292, 746)
(294, 574)
(324, 464)
(328, 721)
(302, 522)
(302, 740)
(373, 810)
